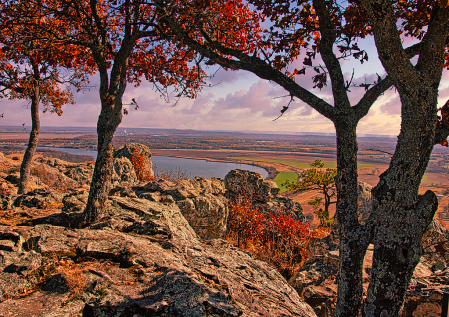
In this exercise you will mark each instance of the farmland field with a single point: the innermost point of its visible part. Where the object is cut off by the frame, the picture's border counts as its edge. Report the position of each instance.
(282, 177)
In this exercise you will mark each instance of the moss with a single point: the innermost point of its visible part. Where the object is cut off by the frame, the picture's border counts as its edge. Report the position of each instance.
(42, 273)
(61, 254)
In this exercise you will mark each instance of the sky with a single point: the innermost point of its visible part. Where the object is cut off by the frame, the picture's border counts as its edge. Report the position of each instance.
(237, 101)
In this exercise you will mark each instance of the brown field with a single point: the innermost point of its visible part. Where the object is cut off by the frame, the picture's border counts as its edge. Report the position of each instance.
(437, 182)
(276, 153)
(26, 134)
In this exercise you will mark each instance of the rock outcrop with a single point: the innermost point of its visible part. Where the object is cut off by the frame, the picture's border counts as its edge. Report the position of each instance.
(124, 173)
(364, 201)
(263, 194)
(53, 177)
(142, 260)
(131, 149)
(316, 281)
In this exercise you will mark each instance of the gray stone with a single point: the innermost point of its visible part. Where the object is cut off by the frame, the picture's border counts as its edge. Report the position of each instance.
(38, 198)
(154, 266)
(75, 202)
(246, 185)
(124, 173)
(53, 178)
(130, 149)
(81, 173)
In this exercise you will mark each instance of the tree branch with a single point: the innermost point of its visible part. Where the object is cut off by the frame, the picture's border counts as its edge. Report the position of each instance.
(389, 46)
(214, 51)
(369, 98)
(328, 37)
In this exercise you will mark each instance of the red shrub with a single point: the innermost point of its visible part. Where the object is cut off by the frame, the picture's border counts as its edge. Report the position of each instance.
(277, 239)
(142, 173)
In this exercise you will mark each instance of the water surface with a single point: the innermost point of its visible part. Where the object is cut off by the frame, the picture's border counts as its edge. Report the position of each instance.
(191, 167)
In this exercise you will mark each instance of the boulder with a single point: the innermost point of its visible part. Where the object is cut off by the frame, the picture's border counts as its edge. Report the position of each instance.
(364, 201)
(201, 201)
(144, 260)
(130, 149)
(263, 194)
(249, 185)
(38, 198)
(203, 204)
(81, 173)
(75, 202)
(53, 178)
(436, 246)
(124, 173)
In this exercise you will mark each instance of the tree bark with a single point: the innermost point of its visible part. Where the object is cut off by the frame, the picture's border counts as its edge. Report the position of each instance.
(112, 88)
(25, 167)
(108, 122)
(402, 216)
(353, 241)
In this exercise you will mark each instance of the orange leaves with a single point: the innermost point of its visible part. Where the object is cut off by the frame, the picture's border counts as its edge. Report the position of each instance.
(277, 238)
(26, 57)
(142, 173)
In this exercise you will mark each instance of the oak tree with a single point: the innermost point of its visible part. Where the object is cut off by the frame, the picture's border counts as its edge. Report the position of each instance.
(325, 27)
(123, 37)
(38, 71)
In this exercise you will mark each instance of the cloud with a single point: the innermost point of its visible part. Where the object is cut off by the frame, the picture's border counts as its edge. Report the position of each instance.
(392, 107)
(228, 76)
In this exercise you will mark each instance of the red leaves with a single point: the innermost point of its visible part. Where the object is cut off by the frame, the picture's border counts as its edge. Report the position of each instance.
(277, 239)
(142, 173)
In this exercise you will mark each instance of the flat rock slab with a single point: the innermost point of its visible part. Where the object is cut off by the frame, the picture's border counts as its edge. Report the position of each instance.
(144, 261)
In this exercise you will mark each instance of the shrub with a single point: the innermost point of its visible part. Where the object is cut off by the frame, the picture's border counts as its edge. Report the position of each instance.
(276, 239)
(170, 174)
(142, 173)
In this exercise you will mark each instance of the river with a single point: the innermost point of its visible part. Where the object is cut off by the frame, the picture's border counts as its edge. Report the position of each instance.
(190, 167)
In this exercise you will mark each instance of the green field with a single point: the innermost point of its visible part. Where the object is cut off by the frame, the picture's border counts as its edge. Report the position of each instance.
(330, 164)
(282, 176)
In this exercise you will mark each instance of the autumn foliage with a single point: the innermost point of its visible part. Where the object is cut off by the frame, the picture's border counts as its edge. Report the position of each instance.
(142, 172)
(277, 239)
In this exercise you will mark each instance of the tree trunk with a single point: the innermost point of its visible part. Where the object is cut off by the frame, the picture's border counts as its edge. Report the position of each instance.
(327, 201)
(353, 241)
(401, 215)
(108, 122)
(25, 167)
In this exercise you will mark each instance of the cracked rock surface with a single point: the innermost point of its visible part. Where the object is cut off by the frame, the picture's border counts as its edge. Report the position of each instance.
(142, 260)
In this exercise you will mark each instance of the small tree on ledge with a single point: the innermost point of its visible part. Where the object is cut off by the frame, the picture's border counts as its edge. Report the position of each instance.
(315, 178)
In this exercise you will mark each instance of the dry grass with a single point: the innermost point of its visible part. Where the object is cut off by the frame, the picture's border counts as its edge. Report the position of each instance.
(14, 217)
(73, 274)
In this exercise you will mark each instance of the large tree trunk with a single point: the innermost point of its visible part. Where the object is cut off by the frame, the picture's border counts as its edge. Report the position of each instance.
(25, 167)
(108, 122)
(353, 241)
(401, 216)
(112, 88)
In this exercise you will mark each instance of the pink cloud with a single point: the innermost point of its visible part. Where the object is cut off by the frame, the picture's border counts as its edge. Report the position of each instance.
(228, 76)
(392, 107)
